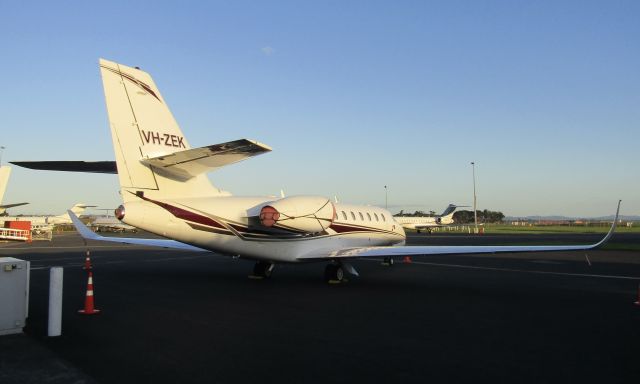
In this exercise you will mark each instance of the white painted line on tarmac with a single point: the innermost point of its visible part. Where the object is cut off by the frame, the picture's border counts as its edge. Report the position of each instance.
(27, 248)
(155, 260)
(522, 270)
(41, 267)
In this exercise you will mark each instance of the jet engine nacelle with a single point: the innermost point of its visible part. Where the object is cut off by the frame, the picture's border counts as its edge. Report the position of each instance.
(309, 214)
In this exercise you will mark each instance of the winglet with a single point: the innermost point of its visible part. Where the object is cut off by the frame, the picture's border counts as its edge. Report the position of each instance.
(613, 228)
(81, 228)
(86, 233)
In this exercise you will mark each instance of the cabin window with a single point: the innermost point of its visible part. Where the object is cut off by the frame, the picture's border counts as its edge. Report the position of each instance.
(353, 216)
(361, 216)
(382, 215)
(368, 216)
(376, 216)
(344, 215)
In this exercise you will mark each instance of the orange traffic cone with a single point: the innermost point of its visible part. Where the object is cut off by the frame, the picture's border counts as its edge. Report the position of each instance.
(407, 260)
(89, 309)
(637, 302)
(87, 261)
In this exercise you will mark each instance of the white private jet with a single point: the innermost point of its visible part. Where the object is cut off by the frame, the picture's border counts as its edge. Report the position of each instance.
(46, 223)
(165, 191)
(427, 223)
(5, 172)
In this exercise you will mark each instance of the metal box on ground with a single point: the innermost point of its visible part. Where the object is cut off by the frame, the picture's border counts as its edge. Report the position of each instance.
(18, 224)
(14, 294)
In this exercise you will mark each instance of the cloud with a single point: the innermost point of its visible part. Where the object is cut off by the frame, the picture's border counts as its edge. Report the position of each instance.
(268, 51)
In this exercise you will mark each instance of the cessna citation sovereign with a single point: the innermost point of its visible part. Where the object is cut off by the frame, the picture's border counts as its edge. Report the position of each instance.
(427, 222)
(165, 191)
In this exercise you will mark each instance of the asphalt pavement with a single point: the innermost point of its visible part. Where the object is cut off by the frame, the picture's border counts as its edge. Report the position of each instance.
(169, 316)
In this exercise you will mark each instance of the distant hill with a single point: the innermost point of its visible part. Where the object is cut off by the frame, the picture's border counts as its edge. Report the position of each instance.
(564, 218)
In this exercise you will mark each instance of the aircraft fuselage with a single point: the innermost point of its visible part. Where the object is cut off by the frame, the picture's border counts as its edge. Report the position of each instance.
(232, 226)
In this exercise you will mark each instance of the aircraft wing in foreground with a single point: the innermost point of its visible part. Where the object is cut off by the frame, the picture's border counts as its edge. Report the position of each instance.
(361, 252)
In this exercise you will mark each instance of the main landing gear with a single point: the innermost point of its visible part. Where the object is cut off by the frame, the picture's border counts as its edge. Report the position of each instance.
(262, 270)
(334, 273)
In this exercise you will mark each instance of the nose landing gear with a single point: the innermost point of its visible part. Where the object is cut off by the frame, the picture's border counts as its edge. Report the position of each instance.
(262, 270)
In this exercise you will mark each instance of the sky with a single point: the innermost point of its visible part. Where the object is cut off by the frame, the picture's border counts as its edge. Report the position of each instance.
(353, 96)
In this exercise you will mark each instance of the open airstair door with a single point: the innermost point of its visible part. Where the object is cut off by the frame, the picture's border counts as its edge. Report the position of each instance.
(192, 162)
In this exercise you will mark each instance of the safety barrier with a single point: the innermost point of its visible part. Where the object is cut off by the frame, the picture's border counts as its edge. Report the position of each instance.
(15, 234)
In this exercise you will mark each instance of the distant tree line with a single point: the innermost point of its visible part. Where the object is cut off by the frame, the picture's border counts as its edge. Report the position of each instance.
(486, 216)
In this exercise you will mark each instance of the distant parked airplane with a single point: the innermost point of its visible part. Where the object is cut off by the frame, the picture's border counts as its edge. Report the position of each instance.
(44, 223)
(427, 223)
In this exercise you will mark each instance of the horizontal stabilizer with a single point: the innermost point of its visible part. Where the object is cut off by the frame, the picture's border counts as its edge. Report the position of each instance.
(192, 162)
(70, 166)
(7, 206)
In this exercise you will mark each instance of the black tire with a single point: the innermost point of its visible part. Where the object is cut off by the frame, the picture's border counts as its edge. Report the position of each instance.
(333, 273)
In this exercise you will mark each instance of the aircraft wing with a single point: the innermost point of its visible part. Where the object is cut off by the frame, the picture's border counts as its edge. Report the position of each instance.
(192, 162)
(431, 250)
(70, 166)
(164, 243)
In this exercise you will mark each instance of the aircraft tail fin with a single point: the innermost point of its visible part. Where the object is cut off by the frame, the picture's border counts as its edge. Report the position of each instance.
(143, 128)
(5, 172)
(4, 180)
(77, 209)
(449, 210)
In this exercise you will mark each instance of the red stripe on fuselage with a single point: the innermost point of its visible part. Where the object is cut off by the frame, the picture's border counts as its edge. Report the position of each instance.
(186, 215)
(347, 228)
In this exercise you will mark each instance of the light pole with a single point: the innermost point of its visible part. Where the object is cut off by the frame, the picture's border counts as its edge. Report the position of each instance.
(385, 198)
(1, 150)
(475, 213)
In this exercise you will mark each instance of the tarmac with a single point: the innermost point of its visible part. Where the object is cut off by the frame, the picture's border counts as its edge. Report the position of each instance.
(169, 316)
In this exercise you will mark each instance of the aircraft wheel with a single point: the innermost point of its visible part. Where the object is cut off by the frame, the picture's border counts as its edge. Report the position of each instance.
(334, 274)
